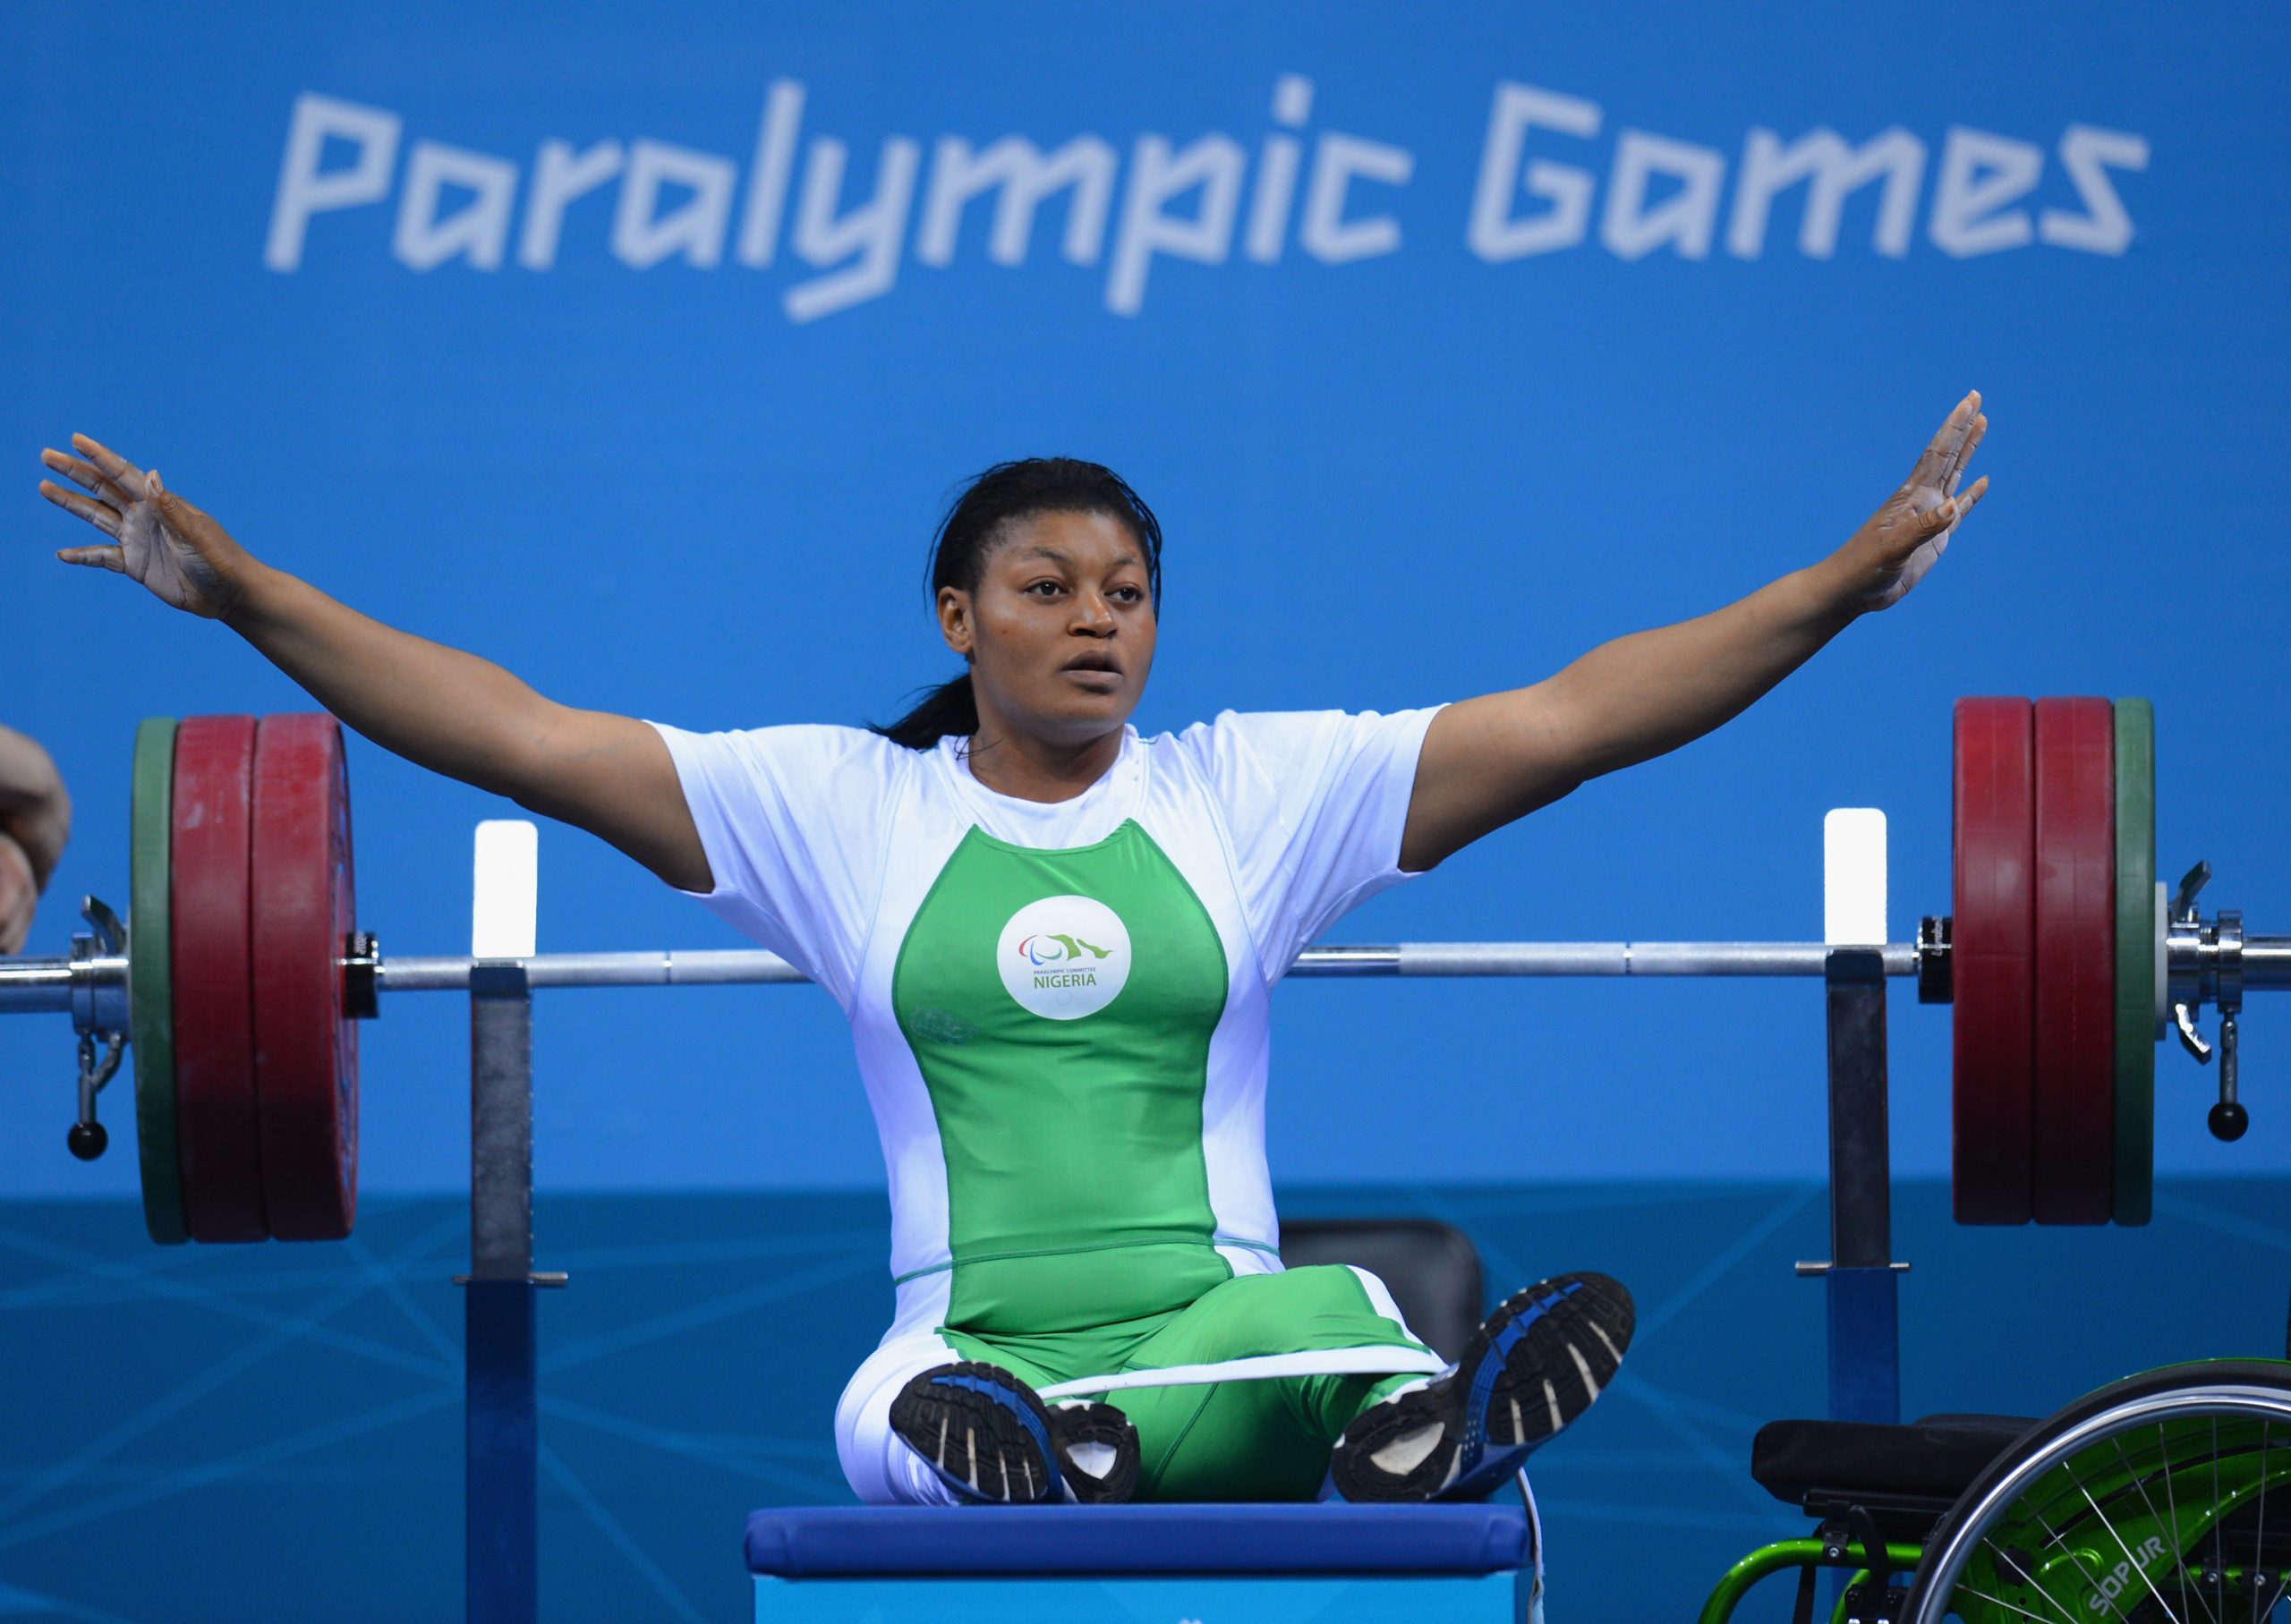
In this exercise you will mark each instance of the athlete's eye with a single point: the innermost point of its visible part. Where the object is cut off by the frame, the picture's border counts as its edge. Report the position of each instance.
(1128, 594)
(1045, 589)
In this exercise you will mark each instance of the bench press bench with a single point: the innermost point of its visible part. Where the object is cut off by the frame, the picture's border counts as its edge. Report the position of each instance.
(1330, 1564)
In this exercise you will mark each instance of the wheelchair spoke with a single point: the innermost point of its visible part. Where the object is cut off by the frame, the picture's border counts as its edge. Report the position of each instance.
(2259, 1537)
(2091, 1579)
(2028, 1579)
(2070, 1467)
(2219, 1537)
(1982, 1596)
(2164, 1453)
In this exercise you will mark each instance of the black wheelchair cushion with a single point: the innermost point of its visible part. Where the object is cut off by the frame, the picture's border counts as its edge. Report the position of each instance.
(1818, 1465)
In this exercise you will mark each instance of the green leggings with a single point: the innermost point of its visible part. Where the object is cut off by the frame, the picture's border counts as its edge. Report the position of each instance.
(1260, 1439)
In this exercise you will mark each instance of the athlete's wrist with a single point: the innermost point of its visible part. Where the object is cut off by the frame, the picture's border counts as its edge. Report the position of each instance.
(1834, 592)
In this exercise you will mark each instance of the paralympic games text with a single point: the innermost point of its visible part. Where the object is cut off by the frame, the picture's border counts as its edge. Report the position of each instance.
(1535, 191)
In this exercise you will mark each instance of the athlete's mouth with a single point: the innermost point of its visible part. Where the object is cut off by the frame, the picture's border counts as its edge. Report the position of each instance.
(1095, 660)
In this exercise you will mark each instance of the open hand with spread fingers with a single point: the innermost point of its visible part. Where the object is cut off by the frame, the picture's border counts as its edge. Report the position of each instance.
(1899, 542)
(157, 537)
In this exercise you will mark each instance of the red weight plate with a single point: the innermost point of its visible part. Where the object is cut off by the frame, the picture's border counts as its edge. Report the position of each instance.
(1992, 952)
(217, 1136)
(2073, 1160)
(306, 1045)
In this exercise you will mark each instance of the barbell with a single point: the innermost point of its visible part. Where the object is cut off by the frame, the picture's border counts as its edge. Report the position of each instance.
(240, 975)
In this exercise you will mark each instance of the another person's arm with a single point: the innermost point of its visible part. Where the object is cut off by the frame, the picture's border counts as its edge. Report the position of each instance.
(438, 707)
(35, 821)
(1486, 761)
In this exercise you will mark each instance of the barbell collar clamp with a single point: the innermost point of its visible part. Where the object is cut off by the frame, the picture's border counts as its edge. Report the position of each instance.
(2228, 1119)
(86, 1138)
(2190, 882)
(362, 969)
(99, 1004)
(2190, 1040)
(2214, 962)
(1936, 982)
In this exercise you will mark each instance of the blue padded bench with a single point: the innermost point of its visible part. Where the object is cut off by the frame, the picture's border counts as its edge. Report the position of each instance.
(1267, 1564)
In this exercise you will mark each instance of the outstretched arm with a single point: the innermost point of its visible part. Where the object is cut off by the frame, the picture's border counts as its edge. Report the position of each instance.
(438, 707)
(1488, 760)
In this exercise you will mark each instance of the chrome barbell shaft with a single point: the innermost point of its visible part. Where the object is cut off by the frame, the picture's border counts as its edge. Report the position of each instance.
(1589, 959)
(1450, 959)
(33, 985)
(704, 968)
(96, 983)
(30, 986)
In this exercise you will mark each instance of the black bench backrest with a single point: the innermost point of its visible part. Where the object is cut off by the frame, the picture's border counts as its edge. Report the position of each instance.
(1432, 1269)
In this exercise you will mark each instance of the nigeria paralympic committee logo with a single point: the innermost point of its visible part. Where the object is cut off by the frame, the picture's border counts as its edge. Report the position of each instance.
(1064, 957)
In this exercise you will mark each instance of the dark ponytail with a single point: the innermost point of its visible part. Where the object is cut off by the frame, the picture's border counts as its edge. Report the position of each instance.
(951, 708)
(976, 522)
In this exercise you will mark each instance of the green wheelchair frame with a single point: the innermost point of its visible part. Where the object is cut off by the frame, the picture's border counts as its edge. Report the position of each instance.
(2148, 1500)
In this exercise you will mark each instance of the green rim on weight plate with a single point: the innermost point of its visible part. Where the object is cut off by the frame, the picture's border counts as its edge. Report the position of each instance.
(150, 994)
(2136, 954)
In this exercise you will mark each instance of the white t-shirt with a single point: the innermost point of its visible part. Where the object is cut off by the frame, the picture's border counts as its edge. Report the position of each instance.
(824, 842)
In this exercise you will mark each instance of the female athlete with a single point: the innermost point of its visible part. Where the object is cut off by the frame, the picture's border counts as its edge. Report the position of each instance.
(1054, 940)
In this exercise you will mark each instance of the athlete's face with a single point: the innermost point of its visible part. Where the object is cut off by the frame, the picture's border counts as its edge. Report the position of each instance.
(1060, 632)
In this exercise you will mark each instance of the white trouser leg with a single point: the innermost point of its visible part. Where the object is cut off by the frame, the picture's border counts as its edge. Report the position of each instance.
(881, 1469)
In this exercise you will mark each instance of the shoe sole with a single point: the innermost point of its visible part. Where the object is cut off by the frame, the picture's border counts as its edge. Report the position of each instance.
(1532, 1368)
(993, 1442)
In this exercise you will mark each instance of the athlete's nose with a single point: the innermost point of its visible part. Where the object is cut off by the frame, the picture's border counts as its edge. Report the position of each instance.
(1092, 615)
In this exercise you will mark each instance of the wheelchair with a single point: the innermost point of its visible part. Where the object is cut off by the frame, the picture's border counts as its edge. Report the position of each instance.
(2161, 1499)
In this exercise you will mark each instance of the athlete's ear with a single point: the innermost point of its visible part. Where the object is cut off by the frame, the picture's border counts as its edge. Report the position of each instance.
(954, 619)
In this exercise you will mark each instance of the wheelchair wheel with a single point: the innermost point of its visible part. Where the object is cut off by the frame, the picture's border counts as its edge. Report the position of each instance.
(2164, 1498)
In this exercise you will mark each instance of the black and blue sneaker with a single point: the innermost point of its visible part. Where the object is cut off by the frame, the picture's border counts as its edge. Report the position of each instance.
(993, 1441)
(1534, 1367)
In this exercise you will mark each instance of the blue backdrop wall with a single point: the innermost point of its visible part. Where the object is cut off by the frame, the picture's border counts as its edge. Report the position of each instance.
(638, 348)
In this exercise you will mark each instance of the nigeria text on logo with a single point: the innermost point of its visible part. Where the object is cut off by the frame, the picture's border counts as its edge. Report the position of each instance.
(1058, 961)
